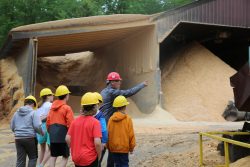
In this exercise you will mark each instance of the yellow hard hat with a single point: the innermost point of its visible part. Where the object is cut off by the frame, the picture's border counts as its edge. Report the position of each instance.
(45, 91)
(120, 101)
(62, 90)
(89, 99)
(30, 97)
(99, 96)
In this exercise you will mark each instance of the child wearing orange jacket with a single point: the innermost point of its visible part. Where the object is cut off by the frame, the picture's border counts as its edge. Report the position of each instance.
(121, 138)
(58, 122)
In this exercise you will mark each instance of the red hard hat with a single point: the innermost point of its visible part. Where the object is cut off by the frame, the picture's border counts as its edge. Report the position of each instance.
(114, 76)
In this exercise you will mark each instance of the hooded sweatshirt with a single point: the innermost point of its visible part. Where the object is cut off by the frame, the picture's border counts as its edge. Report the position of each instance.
(121, 138)
(25, 123)
(58, 121)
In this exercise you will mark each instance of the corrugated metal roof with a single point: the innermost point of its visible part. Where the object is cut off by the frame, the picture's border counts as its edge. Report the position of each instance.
(235, 13)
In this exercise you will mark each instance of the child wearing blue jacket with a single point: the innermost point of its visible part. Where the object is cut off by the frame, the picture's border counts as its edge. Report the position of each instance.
(100, 117)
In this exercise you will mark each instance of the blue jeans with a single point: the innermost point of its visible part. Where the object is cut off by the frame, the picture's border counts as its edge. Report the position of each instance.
(121, 159)
(110, 162)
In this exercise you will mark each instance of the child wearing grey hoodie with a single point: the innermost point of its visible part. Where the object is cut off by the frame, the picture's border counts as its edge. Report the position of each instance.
(25, 124)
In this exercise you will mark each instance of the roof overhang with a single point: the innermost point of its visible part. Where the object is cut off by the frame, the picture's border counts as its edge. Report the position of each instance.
(75, 35)
(72, 42)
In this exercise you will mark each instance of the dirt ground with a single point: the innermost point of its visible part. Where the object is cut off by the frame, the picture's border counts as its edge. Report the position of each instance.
(159, 144)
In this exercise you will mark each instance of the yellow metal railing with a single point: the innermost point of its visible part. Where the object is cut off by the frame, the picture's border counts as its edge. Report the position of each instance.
(226, 141)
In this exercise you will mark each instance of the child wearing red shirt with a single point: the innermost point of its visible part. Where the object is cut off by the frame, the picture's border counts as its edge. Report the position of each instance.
(84, 135)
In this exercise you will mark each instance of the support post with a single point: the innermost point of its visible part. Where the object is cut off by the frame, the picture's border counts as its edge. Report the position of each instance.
(201, 150)
(248, 60)
(226, 154)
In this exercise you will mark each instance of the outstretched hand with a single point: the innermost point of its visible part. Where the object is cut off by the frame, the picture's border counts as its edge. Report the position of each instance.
(145, 83)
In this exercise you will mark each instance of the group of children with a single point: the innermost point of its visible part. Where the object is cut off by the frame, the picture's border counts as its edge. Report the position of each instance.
(85, 137)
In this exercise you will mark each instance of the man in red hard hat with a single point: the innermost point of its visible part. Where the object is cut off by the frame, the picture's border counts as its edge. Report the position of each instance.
(113, 90)
(114, 76)
(110, 93)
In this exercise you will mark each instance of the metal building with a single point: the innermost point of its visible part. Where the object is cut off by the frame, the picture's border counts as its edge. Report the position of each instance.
(134, 45)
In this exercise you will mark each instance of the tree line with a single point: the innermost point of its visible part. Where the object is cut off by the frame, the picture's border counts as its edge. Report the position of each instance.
(15, 13)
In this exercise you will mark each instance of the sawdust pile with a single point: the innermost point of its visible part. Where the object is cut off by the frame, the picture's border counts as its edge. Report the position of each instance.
(244, 162)
(133, 110)
(196, 84)
(158, 115)
(78, 70)
(11, 88)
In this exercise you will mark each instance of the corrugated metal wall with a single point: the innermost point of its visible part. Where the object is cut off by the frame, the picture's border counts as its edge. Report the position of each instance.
(235, 13)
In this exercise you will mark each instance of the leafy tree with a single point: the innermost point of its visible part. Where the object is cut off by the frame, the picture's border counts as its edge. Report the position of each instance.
(115, 6)
(141, 6)
(15, 13)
